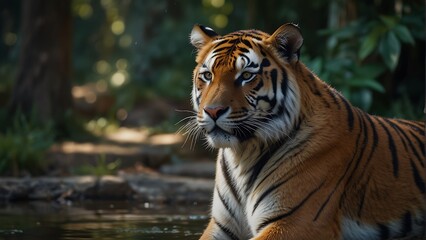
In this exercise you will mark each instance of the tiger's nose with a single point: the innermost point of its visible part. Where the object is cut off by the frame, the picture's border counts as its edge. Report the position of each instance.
(215, 111)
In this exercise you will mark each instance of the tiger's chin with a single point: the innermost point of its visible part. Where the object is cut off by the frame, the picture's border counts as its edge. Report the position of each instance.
(219, 138)
(222, 139)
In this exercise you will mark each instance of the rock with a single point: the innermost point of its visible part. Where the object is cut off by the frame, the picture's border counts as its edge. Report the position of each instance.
(110, 187)
(171, 189)
(144, 187)
(13, 189)
(47, 189)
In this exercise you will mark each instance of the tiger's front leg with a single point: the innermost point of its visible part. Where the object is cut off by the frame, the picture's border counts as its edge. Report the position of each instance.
(208, 232)
(226, 219)
(216, 230)
(293, 232)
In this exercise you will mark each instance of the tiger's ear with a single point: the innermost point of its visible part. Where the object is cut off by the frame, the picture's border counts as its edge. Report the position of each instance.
(288, 40)
(201, 35)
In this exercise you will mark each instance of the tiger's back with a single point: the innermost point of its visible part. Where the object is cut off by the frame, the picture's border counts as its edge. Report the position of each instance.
(296, 160)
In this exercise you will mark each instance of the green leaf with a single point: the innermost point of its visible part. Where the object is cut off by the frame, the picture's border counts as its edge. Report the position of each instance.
(367, 83)
(389, 21)
(369, 70)
(389, 49)
(403, 34)
(371, 40)
(368, 45)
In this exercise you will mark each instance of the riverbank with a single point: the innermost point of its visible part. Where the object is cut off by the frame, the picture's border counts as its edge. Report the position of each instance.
(158, 188)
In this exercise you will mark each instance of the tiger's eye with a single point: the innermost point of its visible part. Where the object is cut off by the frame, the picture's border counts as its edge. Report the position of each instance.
(247, 75)
(207, 76)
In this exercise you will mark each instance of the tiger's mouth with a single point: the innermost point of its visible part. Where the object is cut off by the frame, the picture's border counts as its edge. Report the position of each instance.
(218, 130)
(220, 137)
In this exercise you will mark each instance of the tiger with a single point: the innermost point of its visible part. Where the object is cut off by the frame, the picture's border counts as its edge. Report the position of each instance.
(295, 159)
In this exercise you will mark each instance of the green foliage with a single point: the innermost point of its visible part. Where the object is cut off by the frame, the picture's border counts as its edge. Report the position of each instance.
(359, 54)
(137, 50)
(101, 168)
(23, 145)
(157, 54)
(385, 34)
(356, 82)
(100, 126)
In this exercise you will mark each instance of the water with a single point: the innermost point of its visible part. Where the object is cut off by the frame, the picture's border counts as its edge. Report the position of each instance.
(101, 220)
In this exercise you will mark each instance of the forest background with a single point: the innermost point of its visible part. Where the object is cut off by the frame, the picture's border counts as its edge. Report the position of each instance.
(72, 70)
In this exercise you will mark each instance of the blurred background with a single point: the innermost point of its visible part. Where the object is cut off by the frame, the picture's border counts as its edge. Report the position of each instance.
(99, 86)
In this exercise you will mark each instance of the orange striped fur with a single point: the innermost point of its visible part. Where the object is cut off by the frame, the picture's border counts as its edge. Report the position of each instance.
(296, 160)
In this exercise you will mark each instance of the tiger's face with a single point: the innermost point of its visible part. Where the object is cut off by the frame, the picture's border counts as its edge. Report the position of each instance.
(243, 86)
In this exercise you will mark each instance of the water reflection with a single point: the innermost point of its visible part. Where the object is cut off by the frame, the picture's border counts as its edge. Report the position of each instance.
(101, 220)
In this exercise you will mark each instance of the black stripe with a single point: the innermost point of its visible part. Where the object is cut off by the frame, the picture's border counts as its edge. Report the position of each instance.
(274, 78)
(259, 85)
(299, 145)
(218, 61)
(419, 181)
(363, 193)
(332, 95)
(247, 43)
(225, 204)
(252, 65)
(373, 127)
(197, 99)
(253, 34)
(289, 213)
(265, 63)
(407, 226)
(367, 117)
(375, 136)
(357, 143)
(244, 50)
(323, 205)
(267, 175)
(360, 148)
(405, 139)
(416, 126)
(419, 142)
(384, 231)
(229, 181)
(220, 49)
(268, 191)
(264, 158)
(284, 84)
(398, 131)
(312, 85)
(208, 31)
(250, 101)
(360, 154)
(350, 112)
(226, 230)
(392, 148)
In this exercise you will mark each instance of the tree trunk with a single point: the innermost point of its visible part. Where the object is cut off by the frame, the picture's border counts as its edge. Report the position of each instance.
(43, 78)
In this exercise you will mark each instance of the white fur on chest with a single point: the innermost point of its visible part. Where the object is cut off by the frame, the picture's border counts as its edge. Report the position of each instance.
(245, 220)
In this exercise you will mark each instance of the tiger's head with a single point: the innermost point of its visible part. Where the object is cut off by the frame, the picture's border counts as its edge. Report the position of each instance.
(244, 86)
